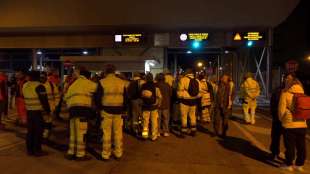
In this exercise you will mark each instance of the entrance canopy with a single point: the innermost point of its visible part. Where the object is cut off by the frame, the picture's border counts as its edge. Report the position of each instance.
(98, 15)
(96, 63)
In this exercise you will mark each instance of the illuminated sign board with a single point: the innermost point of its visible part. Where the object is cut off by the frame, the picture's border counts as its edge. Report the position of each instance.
(237, 37)
(248, 36)
(253, 36)
(194, 36)
(128, 38)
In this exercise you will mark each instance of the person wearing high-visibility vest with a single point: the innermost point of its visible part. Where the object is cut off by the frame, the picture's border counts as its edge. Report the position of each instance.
(152, 99)
(79, 99)
(206, 99)
(189, 101)
(36, 102)
(53, 99)
(249, 91)
(111, 99)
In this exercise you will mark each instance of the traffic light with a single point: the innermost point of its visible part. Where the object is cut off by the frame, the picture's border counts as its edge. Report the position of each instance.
(196, 44)
(250, 43)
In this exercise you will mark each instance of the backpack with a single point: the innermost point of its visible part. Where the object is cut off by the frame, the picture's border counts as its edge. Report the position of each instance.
(301, 105)
(193, 87)
(133, 90)
(148, 94)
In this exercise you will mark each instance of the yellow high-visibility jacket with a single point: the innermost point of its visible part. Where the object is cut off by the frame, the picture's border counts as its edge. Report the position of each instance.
(169, 79)
(113, 90)
(52, 94)
(80, 93)
(183, 86)
(286, 106)
(205, 93)
(31, 97)
(249, 89)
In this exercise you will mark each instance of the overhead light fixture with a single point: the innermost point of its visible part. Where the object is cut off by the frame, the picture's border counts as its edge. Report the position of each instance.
(226, 51)
(189, 52)
(39, 52)
(199, 64)
(85, 52)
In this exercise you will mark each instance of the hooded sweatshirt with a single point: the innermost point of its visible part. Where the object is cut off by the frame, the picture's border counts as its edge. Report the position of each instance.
(286, 106)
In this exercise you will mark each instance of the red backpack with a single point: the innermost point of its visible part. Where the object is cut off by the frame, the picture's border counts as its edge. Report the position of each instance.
(301, 104)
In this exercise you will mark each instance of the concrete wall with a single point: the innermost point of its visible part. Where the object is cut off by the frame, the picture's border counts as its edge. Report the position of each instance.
(16, 15)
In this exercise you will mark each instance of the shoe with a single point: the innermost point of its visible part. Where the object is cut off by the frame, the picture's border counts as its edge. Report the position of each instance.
(40, 154)
(84, 158)
(166, 134)
(253, 122)
(300, 169)
(154, 138)
(103, 159)
(287, 168)
(70, 157)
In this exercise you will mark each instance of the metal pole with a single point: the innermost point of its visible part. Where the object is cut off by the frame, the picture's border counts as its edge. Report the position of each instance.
(175, 64)
(269, 61)
(41, 63)
(218, 68)
(34, 59)
(268, 73)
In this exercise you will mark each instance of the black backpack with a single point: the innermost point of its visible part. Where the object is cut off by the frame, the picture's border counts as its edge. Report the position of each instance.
(149, 87)
(134, 90)
(193, 87)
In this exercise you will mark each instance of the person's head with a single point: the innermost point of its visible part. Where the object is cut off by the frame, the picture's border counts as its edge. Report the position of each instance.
(166, 71)
(110, 69)
(225, 78)
(290, 79)
(248, 75)
(149, 77)
(43, 77)
(189, 71)
(136, 74)
(34, 75)
(203, 75)
(213, 79)
(20, 74)
(85, 73)
(160, 77)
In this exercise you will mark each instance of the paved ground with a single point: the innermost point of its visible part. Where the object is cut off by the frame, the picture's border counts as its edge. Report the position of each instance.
(243, 152)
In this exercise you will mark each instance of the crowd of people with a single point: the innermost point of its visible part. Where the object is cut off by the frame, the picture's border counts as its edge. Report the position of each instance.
(150, 107)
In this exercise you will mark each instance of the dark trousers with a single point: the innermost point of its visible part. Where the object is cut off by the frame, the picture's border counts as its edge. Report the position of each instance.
(276, 132)
(35, 131)
(221, 121)
(295, 139)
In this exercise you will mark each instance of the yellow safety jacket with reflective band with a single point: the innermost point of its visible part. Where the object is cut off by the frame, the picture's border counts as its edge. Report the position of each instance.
(31, 97)
(113, 90)
(183, 86)
(250, 89)
(205, 94)
(169, 79)
(52, 94)
(80, 92)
